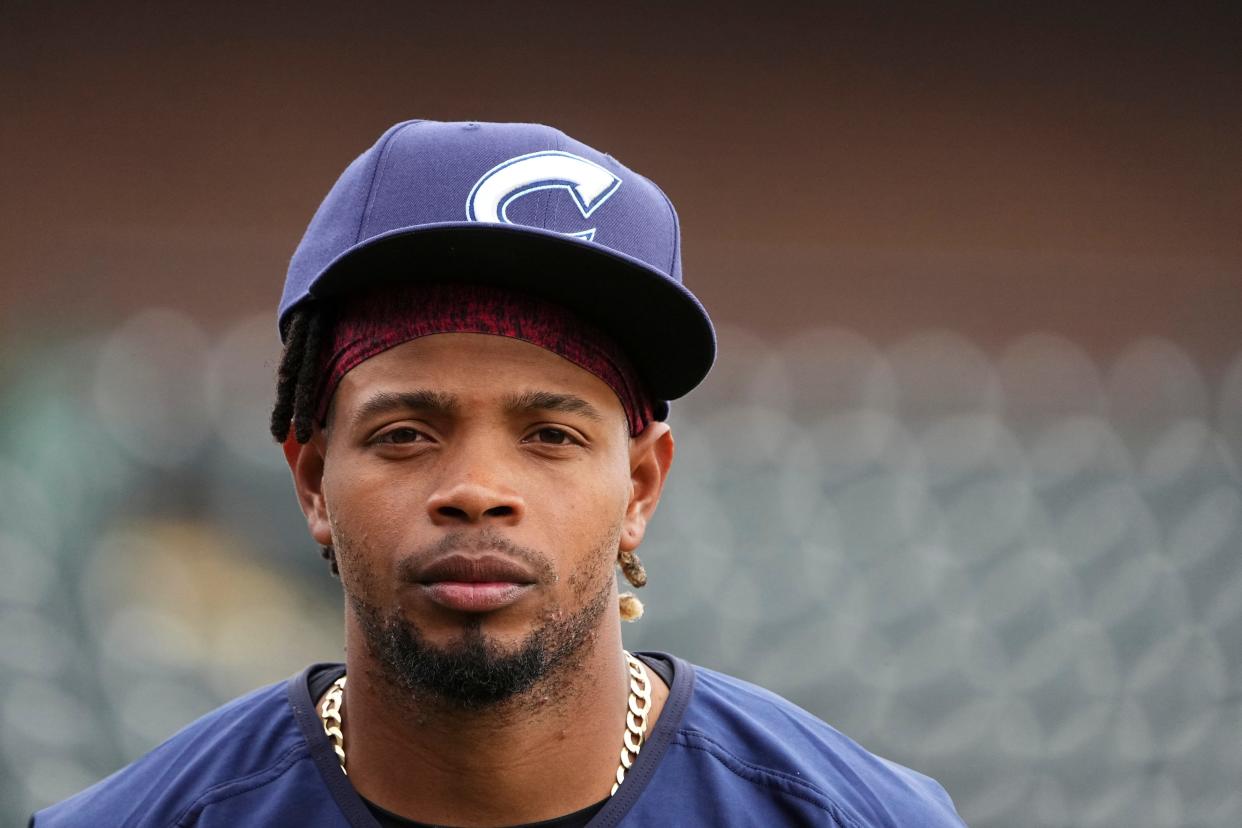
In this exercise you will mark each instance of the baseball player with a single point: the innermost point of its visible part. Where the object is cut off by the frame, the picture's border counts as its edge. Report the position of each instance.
(483, 326)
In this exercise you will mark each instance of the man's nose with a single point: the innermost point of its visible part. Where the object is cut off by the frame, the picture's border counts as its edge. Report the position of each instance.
(475, 492)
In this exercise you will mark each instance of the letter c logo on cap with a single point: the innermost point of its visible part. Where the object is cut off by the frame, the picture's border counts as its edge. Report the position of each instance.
(588, 183)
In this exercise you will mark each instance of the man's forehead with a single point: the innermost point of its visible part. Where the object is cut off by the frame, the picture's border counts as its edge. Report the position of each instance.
(449, 405)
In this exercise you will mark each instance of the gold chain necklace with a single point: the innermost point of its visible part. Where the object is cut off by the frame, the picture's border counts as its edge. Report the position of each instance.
(637, 708)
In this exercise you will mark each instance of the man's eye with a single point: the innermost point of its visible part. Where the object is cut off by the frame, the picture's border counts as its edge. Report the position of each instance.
(552, 437)
(400, 435)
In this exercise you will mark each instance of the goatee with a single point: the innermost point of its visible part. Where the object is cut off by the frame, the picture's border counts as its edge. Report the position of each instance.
(475, 672)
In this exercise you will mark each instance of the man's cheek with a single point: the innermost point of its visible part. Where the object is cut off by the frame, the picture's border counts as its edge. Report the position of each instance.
(358, 571)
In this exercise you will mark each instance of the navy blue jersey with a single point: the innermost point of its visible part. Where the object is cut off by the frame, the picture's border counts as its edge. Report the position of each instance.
(722, 753)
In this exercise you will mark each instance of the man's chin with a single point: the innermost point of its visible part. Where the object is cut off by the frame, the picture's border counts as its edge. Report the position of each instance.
(474, 665)
(470, 670)
(499, 631)
(474, 644)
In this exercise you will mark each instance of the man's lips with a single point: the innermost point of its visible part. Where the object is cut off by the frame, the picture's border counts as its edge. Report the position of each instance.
(473, 569)
(469, 583)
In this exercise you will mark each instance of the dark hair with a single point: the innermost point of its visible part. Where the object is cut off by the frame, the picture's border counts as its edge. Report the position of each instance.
(297, 391)
(297, 378)
(297, 384)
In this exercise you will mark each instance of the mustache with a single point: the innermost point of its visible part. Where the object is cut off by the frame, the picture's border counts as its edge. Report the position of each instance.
(413, 567)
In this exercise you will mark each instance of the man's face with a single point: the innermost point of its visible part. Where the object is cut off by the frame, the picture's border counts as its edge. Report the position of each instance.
(476, 489)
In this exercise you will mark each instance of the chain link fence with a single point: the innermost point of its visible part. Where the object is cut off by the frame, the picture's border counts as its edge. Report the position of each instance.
(1017, 571)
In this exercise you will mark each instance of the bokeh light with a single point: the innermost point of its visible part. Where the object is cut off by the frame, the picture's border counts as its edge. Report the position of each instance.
(1016, 570)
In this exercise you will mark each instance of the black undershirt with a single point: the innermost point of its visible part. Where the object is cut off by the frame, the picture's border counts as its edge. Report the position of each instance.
(578, 819)
(319, 683)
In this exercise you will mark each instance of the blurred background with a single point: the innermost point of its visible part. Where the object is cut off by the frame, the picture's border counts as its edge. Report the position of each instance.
(964, 483)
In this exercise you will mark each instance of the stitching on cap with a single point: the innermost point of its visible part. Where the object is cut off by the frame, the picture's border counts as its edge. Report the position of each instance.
(377, 176)
(676, 229)
(547, 195)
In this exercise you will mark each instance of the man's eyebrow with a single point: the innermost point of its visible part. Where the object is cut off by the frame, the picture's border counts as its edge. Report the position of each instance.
(384, 402)
(552, 401)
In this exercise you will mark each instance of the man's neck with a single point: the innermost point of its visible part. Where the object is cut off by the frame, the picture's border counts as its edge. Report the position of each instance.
(550, 751)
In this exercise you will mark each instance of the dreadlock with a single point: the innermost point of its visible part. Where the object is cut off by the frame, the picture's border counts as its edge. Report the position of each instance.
(297, 378)
(297, 381)
(297, 387)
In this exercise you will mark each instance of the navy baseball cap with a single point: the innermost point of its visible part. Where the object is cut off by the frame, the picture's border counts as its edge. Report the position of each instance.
(522, 206)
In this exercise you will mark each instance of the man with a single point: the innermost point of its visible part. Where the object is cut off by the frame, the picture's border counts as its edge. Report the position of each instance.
(483, 325)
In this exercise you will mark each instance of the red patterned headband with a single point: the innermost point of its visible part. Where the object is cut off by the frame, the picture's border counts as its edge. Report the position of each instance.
(371, 323)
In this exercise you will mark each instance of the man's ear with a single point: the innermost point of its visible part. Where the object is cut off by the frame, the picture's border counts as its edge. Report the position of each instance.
(306, 462)
(651, 456)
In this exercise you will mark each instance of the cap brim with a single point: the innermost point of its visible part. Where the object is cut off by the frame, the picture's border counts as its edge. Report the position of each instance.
(659, 324)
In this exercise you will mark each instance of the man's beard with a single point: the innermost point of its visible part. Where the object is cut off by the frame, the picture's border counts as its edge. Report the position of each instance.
(475, 672)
